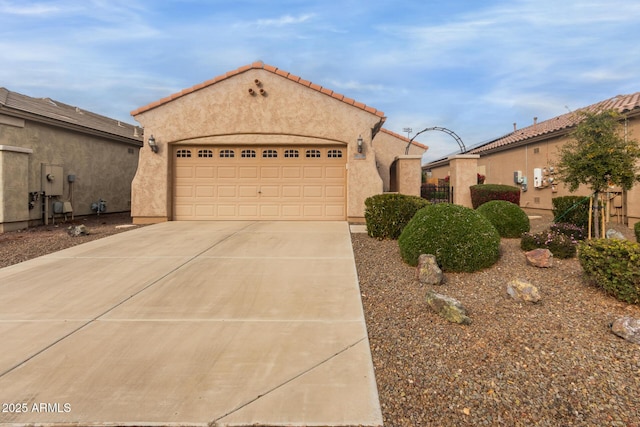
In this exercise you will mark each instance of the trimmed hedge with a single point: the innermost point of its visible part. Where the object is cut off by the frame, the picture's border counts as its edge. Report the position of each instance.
(579, 215)
(614, 266)
(636, 229)
(506, 217)
(387, 214)
(460, 238)
(483, 193)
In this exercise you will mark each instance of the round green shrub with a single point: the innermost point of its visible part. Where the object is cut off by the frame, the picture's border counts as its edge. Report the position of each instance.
(636, 229)
(506, 217)
(460, 238)
(387, 214)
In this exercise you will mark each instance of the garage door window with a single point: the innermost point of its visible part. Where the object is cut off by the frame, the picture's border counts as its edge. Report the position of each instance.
(269, 153)
(313, 154)
(291, 153)
(334, 154)
(183, 153)
(248, 154)
(227, 153)
(205, 153)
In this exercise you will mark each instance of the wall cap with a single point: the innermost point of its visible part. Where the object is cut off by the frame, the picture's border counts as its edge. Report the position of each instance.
(464, 156)
(16, 149)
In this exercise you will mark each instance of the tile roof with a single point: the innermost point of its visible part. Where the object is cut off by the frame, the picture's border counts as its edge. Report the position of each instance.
(259, 66)
(404, 138)
(47, 108)
(621, 103)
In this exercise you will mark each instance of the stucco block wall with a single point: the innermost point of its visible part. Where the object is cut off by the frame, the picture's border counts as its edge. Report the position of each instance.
(408, 175)
(226, 113)
(103, 168)
(388, 147)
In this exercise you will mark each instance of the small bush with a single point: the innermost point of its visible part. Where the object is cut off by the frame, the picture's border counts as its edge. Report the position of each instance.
(387, 214)
(460, 238)
(571, 209)
(483, 193)
(560, 245)
(613, 265)
(636, 229)
(573, 231)
(506, 217)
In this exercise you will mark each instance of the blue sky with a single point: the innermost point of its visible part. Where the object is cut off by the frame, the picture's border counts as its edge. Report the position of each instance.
(474, 67)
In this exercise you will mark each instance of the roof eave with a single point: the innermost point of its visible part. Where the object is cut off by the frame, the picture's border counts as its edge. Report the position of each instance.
(70, 126)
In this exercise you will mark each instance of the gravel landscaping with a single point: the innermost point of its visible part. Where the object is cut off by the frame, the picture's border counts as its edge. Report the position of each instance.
(554, 363)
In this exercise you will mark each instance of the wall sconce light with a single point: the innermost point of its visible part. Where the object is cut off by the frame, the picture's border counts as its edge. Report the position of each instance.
(360, 141)
(152, 144)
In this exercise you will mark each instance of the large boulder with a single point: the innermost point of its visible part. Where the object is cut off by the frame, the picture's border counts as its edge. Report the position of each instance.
(523, 291)
(615, 234)
(447, 307)
(427, 271)
(627, 328)
(542, 258)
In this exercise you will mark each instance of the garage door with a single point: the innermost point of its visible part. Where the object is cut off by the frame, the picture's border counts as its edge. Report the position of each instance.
(265, 183)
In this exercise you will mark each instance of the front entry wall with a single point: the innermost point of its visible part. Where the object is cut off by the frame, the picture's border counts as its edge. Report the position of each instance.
(259, 182)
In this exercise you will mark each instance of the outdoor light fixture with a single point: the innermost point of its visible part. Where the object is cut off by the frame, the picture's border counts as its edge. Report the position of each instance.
(360, 143)
(152, 144)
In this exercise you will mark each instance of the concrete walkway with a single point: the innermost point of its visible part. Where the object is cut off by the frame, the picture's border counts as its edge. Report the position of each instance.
(189, 323)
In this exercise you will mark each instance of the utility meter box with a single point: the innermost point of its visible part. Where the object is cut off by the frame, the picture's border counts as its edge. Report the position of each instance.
(537, 177)
(52, 180)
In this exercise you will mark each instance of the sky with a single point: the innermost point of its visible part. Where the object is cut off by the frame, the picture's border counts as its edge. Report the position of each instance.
(473, 67)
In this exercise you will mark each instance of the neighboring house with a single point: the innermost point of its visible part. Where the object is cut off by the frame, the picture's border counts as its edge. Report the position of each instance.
(57, 160)
(532, 152)
(261, 143)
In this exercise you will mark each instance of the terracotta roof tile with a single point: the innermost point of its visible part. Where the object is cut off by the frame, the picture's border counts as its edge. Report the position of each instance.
(620, 103)
(404, 138)
(49, 109)
(262, 66)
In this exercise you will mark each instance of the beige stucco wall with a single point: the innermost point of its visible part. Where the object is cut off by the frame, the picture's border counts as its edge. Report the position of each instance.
(225, 113)
(103, 168)
(499, 167)
(463, 175)
(388, 147)
(408, 174)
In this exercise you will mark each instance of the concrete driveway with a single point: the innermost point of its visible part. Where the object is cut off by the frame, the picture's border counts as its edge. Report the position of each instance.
(189, 323)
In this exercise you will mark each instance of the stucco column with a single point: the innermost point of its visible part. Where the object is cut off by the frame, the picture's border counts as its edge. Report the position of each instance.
(408, 172)
(14, 187)
(464, 174)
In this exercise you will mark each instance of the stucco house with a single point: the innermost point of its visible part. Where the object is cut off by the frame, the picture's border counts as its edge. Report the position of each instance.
(526, 158)
(57, 160)
(259, 143)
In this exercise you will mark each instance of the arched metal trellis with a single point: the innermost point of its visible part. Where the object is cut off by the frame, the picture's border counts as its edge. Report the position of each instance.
(441, 129)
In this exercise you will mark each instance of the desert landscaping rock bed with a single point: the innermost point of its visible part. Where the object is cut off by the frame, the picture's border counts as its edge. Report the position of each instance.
(554, 363)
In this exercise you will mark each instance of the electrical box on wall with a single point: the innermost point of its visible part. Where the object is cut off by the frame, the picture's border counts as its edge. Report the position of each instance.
(517, 177)
(537, 177)
(52, 180)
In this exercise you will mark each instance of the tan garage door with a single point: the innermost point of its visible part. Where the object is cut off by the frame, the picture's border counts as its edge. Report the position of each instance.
(266, 183)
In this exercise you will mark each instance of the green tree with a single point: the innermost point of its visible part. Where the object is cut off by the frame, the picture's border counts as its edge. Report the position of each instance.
(599, 155)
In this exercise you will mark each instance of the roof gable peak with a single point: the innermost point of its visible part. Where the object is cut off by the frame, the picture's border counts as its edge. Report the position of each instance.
(259, 65)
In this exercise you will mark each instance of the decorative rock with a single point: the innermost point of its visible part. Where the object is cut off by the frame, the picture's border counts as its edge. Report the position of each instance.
(77, 230)
(542, 258)
(615, 234)
(448, 308)
(428, 272)
(523, 291)
(627, 328)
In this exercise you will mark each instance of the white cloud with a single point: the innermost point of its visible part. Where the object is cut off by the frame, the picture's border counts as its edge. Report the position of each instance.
(284, 20)
(28, 9)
